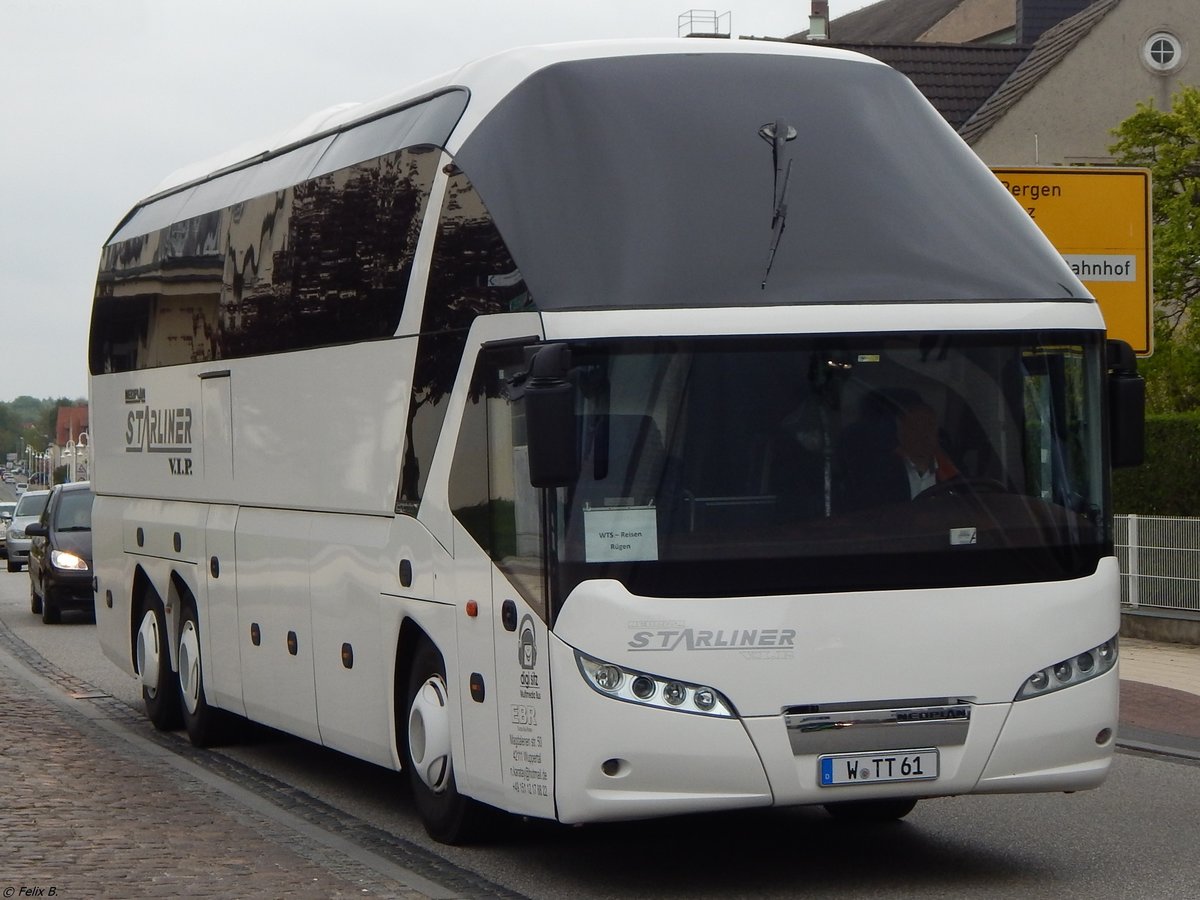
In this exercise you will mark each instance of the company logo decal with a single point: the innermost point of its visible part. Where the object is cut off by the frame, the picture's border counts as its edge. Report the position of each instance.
(159, 429)
(773, 639)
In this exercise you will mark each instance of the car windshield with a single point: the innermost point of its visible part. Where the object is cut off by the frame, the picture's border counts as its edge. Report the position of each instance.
(32, 504)
(74, 511)
(756, 465)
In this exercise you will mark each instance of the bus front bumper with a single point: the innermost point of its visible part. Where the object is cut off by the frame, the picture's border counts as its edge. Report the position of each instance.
(618, 760)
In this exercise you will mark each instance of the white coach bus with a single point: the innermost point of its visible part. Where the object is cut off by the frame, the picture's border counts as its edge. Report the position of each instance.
(617, 430)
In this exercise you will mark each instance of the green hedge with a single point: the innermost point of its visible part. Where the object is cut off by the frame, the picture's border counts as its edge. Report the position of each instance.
(1168, 482)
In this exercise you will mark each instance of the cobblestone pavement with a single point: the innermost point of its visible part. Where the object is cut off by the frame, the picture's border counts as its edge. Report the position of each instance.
(82, 816)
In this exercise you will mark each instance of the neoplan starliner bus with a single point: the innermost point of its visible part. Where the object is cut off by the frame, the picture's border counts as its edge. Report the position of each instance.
(617, 430)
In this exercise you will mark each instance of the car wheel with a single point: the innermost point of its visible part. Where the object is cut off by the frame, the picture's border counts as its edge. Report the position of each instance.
(206, 725)
(13, 566)
(447, 815)
(871, 810)
(35, 602)
(160, 691)
(50, 612)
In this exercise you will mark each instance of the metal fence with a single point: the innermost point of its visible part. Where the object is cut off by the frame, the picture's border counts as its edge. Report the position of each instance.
(1160, 562)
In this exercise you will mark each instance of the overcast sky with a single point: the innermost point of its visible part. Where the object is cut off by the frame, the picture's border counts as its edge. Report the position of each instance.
(101, 99)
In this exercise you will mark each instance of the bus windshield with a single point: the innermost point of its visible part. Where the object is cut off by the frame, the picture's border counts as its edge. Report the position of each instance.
(751, 466)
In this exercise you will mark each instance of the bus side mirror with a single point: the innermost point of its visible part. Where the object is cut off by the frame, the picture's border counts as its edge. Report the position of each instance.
(1126, 406)
(550, 417)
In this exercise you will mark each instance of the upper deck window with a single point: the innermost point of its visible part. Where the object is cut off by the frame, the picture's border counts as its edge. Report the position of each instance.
(324, 262)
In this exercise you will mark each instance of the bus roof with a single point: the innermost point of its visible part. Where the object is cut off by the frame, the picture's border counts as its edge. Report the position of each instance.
(488, 79)
(688, 173)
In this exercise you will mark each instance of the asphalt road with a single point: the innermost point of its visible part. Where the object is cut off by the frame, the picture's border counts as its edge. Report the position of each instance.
(1135, 837)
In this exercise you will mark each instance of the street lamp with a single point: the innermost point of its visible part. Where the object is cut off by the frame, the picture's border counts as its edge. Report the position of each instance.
(83, 448)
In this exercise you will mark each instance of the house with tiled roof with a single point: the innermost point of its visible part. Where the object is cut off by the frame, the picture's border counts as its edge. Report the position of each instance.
(72, 421)
(1076, 70)
(956, 79)
(1083, 77)
(925, 21)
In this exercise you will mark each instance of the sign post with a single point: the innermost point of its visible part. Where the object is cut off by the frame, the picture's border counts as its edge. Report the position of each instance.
(1099, 219)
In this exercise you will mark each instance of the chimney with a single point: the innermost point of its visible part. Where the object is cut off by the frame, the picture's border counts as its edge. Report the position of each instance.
(818, 21)
(1034, 17)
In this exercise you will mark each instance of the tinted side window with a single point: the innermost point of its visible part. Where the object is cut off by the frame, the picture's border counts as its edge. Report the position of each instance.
(324, 262)
(471, 274)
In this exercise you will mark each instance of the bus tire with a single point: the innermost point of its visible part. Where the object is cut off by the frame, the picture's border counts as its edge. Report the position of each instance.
(206, 725)
(160, 691)
(447, 815)
(867, 811)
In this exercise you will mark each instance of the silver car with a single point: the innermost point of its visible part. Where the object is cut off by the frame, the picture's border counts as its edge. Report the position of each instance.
(29, 510)
(6, 513)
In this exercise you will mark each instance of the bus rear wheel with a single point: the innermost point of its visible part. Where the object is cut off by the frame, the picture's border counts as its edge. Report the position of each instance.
(160, 693)
(447, 815)
(206, 725)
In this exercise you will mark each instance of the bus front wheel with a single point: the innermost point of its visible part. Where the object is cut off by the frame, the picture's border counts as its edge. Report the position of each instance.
(447, 815)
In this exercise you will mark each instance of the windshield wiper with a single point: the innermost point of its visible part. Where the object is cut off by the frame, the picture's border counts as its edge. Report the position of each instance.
(777, 134)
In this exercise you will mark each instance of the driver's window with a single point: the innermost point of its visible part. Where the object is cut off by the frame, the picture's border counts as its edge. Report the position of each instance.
(490, 492)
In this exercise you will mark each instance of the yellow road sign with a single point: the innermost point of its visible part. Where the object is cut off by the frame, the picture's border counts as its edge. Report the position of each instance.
(1099, 220)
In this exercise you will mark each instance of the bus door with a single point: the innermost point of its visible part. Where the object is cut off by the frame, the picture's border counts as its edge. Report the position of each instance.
(499, 563)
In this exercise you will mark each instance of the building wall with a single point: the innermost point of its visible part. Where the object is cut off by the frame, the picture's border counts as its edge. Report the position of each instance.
(1068, 117)
(973, 20)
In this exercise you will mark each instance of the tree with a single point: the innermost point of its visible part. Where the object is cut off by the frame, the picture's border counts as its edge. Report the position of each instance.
(1168, 143)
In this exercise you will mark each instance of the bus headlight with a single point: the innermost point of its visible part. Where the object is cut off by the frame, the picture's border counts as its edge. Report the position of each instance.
(651, 690)
(1069, 672)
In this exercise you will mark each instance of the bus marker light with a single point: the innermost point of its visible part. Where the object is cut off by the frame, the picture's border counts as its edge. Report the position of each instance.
(472, 609)
(1084, 667)
(643, 687)
(608, 677)
(614, 768)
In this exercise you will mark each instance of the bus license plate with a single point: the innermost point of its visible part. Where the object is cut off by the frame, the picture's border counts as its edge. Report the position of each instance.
(872, 768)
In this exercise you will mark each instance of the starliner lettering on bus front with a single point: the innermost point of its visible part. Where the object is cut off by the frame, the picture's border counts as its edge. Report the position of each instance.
(699, 639)
(151, 429)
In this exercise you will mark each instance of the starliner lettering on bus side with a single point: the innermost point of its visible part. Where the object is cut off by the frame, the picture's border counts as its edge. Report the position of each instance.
(168, 429)
(699, 639)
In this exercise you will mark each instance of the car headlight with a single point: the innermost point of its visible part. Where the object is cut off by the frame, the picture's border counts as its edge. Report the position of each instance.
(1069, 672)
(62, 559)
(16, 531)
(652, 690)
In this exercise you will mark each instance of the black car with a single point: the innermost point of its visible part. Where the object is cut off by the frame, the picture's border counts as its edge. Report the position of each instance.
(60, 554)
